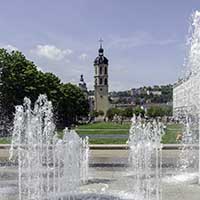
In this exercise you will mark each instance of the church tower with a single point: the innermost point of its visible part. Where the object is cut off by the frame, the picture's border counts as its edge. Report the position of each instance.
(83, 86)
(101, 81)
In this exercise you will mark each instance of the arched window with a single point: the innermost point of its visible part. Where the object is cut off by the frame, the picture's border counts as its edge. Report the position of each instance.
(105, 70)
(100, 81)
(105, 81)
(100, 70)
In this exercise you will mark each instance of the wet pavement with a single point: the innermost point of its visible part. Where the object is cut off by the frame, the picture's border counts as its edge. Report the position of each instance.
(109, 174)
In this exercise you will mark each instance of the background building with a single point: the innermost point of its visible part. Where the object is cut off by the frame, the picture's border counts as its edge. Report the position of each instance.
(186, 96)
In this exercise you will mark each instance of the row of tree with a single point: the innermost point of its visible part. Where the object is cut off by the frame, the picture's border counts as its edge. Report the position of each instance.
(21, 78)
(153, 111)
(159, 111)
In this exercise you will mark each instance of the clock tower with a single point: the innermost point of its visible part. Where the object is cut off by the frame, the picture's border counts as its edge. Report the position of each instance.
(101, 81)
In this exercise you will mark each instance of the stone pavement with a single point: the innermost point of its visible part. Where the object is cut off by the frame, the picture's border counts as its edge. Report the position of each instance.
(109, 174)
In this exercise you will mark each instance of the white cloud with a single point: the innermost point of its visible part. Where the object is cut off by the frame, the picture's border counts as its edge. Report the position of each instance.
(51, 52)
(139, 39)
(83, 56)
(9, 47)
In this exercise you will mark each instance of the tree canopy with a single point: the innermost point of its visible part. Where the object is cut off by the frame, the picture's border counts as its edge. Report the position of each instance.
(159, 111)
(21, 78)
(139, 111)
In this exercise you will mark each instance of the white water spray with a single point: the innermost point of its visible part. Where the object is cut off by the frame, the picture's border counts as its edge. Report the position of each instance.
(187, 100)
(49, 167)
(146, 158)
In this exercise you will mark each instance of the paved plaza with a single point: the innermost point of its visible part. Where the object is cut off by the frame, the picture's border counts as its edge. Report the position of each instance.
(109, 174)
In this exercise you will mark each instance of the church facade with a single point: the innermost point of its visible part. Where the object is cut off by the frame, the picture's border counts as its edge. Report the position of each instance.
(101, 82)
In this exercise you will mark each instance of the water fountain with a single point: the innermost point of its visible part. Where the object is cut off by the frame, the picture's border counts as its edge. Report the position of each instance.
(48, 167)
(53, 168)
(187, 101)
(146, 158)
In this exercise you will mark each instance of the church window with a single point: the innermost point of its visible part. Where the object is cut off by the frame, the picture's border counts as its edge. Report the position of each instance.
(95, 70)
(105, 70)
(100, 81)
(105, 81)
(100, 89)
(100, 69)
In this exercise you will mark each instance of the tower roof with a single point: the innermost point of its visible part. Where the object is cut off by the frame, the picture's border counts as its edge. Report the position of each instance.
(82, 84)
(100, 59)
(101, 50)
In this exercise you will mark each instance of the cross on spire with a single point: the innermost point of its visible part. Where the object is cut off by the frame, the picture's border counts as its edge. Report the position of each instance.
(100, 41)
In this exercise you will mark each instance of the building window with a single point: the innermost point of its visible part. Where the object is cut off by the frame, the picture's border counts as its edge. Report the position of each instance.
(95, 81)
(100, 89)
(105, 81)
(100, 70)
(105, 70)
(100, 81)
(95, 70)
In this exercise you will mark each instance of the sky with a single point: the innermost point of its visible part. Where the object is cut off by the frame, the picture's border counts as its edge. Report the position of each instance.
(144, 40)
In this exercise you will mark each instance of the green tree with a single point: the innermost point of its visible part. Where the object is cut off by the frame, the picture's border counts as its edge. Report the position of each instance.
(50, 84)
(139, 111)
(168, 110)
(159, 111)
(127, 112)
(21, 77)
(94, 113)
(112, 112)
(72, 104)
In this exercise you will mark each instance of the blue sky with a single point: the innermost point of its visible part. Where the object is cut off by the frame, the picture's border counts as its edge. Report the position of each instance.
(144, 40)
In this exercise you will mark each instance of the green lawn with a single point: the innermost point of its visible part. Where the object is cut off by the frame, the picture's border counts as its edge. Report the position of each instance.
(105, 125)
(169, 138)
(171, 133)
(103, 128)
(103, 131)
(5, 140)
(113, 128)
(107, 141)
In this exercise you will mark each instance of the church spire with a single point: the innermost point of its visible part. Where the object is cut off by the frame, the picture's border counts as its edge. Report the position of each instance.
(101, 48)
(101, 59)
(101, 42)
(82, 84)
(81, 78)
